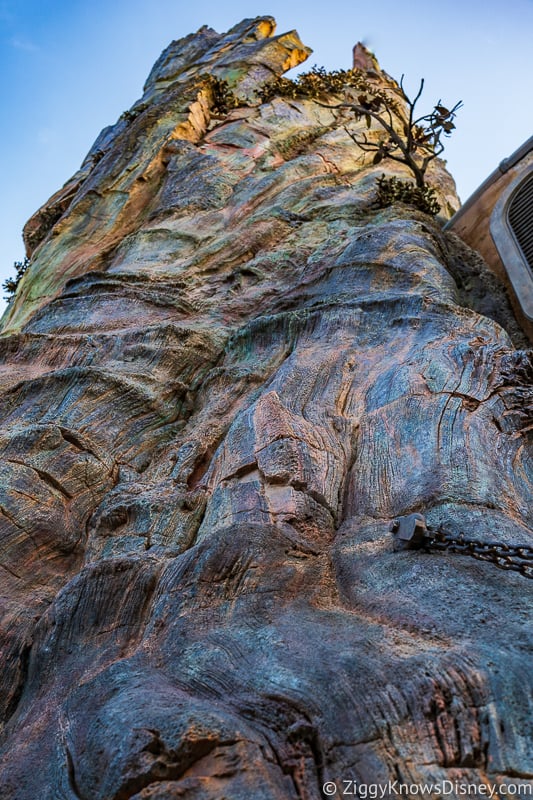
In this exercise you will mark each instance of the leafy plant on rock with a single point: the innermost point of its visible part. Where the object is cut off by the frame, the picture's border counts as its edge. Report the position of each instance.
(223, 99)
(316, 83)
(393, 190)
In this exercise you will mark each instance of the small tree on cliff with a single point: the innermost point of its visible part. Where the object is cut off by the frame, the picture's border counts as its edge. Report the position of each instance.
(10, 284)
(413, 141)
(409, 139)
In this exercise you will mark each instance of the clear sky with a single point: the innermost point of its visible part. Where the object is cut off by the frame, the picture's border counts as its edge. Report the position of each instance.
(70, 68)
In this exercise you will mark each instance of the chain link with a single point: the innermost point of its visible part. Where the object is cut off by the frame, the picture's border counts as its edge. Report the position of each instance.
(514, 558)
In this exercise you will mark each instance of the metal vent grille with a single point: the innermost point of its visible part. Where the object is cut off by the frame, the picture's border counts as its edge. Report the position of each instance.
(520, 216)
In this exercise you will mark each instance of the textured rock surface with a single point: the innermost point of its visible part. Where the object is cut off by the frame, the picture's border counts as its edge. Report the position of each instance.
(224, 374)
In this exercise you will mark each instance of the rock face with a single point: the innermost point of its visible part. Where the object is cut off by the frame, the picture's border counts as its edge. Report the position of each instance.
(223, 376)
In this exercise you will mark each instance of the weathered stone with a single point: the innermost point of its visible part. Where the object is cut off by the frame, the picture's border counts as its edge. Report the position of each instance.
(223, 376)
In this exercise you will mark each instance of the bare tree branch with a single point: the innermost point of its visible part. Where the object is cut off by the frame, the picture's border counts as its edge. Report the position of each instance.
(420, 141)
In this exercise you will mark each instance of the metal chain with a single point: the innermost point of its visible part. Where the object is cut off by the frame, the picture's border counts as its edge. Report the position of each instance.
(412, 533)
(517, 559)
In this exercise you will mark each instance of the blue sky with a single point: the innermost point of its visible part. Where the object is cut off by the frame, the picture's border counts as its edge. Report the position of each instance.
(70, 68)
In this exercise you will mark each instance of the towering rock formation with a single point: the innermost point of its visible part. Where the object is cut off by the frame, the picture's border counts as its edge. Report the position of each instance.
(224, 374)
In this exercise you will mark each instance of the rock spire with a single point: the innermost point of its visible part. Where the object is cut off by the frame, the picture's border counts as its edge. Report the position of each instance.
(224, 374)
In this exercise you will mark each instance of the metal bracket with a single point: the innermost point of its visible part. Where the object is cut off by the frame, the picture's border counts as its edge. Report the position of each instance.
(410, 532)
